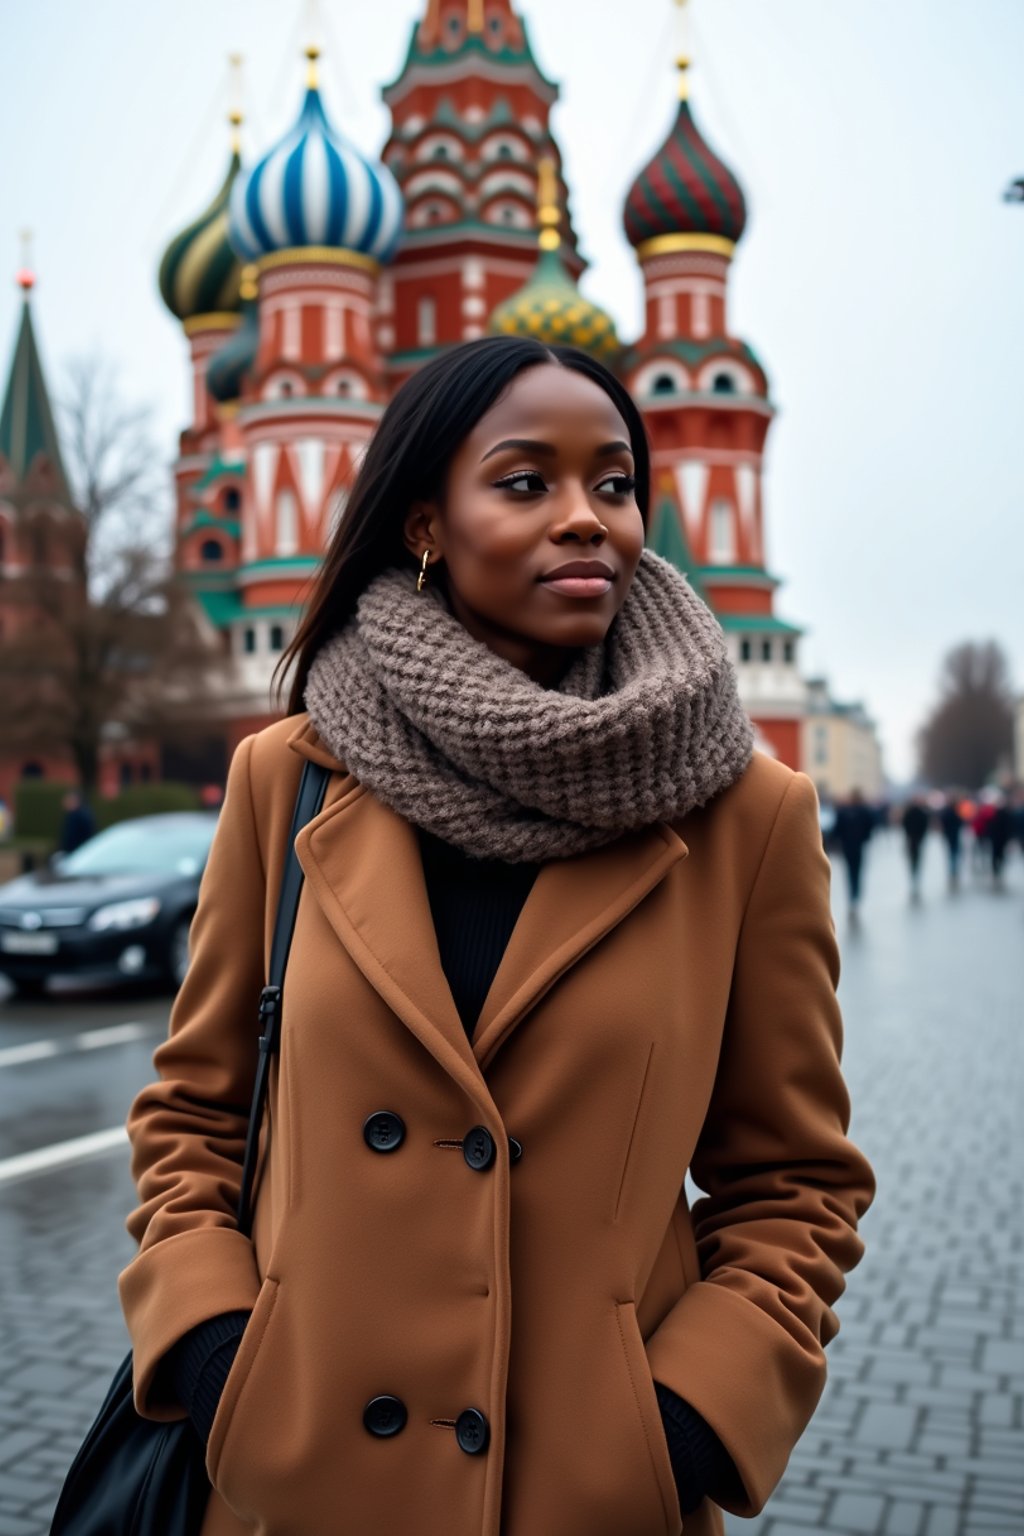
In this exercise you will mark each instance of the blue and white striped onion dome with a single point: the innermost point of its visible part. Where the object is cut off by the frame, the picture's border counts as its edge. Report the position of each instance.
(315, 188)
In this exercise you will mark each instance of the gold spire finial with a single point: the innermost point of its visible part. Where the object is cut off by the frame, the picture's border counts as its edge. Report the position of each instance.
(548, 216)
(312, 54)
(249, 281)
(235, 115)
(25, 277)
(475, 16)
(683, 60)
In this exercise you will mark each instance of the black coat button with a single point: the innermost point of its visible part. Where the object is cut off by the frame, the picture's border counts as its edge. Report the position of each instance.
(515, 1149)
(384, 1131)
(385, 1415)
(478, 1148)
(472, 1431)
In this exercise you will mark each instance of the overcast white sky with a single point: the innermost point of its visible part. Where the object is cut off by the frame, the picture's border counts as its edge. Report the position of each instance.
(881, 278)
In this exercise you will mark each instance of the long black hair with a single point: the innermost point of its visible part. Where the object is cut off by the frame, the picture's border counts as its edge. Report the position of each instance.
(407, 461)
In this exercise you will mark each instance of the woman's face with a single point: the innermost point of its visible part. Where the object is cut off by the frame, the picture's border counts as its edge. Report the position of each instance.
(543, 481)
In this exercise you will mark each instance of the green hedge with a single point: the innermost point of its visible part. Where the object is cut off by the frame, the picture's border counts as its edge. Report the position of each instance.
(146, 800)
(38, 810)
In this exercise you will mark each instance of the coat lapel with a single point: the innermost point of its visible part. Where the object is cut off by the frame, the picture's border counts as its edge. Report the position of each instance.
(362, 863)
(573, 903)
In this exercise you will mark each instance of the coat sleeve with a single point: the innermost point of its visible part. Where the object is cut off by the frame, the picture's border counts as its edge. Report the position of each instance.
(187, 1130)
(784, 1187)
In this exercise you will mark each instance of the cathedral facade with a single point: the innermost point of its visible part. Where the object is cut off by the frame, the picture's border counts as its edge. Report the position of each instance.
(320, 277)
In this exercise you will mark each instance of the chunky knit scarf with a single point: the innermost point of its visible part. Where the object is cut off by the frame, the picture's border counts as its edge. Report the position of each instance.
(642, 728)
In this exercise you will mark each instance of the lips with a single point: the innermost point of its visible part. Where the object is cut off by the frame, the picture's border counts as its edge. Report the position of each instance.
(585, 568)
(580, 579)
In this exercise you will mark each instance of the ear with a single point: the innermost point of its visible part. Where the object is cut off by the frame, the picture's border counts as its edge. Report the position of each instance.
(422, 530)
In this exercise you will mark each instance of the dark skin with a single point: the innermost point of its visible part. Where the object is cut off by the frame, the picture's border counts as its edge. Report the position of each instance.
(510, 514)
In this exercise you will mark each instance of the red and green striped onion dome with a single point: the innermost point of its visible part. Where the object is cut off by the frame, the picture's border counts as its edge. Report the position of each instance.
(200, 272)
(685, 191)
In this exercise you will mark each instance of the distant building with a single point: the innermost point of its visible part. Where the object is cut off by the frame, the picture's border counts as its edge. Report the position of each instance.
(840, 746)
(319, 278)
(37, 518)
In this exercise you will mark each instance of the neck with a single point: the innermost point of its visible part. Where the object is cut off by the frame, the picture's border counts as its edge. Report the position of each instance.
(544, 664)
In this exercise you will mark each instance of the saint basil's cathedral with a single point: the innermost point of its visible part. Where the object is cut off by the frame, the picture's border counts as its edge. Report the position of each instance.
(319, 278)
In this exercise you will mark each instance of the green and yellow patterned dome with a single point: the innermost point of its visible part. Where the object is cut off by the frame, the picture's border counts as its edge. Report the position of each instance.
(200, 272)
(549, 307)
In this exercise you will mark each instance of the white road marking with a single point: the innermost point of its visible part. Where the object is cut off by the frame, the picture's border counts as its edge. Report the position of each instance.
(89, 1040)
(61, 1153)
(114, 1034)
(35, 1050)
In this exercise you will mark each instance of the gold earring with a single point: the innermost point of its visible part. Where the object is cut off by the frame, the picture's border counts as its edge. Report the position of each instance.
(421, 579)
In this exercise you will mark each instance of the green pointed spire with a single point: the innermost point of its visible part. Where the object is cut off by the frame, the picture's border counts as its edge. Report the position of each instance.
(27, 427)
(666, 538)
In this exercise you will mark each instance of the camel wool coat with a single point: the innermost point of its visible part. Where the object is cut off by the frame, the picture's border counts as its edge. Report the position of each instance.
(665, 1003)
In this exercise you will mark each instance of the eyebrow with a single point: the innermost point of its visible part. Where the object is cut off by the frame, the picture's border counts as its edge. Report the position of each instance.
(529, 445)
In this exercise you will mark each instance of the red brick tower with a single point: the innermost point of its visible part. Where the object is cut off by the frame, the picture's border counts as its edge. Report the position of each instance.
(470, 113)
(706, 401)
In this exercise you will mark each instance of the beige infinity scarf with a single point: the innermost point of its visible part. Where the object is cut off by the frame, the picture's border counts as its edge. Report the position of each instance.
(642, 728)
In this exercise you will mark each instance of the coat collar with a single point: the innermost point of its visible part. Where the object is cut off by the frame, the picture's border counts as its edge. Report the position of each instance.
(385, 922)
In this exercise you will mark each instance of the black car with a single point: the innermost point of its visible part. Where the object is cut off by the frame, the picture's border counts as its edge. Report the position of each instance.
(120, 904)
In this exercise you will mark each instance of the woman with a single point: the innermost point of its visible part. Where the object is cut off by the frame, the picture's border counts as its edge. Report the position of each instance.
(562, 937)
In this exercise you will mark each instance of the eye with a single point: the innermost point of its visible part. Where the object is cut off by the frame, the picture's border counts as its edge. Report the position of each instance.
(525, 482)
(618, 485)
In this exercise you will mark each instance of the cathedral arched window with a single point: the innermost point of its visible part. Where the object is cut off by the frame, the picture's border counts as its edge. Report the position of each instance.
(723, 384)
(744, 650)
(211, 550)
(663, 384)
(766, 650)
(37, 541)
(426, 321)
(277, 637)
(232, 499)
(249, 640)
(787, 650)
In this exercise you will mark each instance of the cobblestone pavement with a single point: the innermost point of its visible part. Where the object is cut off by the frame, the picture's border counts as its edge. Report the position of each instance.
(921, 1430)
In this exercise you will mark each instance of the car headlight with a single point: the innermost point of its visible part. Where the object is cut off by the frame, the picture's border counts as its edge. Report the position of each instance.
(124, 914)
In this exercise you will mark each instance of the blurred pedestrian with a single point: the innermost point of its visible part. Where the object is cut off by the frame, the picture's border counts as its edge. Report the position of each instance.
(1000, 835)
(78, 823)
(981, 821)
(1017, 804)
(915, 828)
(951, 826)
(855, 821)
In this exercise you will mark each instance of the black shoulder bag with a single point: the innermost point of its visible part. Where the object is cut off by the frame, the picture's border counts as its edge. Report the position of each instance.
(134, 1476)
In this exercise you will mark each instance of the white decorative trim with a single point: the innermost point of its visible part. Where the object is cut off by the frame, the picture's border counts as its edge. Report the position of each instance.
(692, 477)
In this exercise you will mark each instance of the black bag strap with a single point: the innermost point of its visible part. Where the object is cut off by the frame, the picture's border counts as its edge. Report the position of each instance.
(308, 801)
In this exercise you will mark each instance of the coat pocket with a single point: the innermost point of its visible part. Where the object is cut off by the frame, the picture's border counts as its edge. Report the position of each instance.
(649, 1413)
(239, 1377)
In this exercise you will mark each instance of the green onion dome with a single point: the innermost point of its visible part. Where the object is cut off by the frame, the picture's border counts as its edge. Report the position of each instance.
(685, 197)
(549, 307)
(200, 272)
(227, 368)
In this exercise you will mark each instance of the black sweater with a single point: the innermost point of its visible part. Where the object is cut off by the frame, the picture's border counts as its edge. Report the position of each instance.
(475, 904)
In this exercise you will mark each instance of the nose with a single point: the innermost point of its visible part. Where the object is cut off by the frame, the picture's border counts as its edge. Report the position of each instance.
(579, 520)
